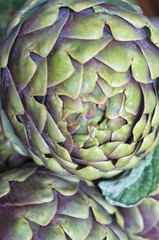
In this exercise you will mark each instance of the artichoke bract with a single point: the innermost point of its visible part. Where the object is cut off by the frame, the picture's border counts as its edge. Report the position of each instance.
(142, 221)
(6, 148)
(9, 158)
(38, 204)
(79, 85)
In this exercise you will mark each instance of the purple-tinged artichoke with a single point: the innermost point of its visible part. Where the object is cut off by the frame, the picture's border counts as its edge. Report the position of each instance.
(80, 85)
(37, 204)
(142, 221)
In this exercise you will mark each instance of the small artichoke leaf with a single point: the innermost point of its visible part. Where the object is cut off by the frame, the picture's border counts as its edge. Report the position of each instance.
(133, 185)
(12, 137)
(120, 3)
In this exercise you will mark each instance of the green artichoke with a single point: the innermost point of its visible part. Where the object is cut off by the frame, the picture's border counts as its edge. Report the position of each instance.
(37, 204)
(142, 221)
(79, 85)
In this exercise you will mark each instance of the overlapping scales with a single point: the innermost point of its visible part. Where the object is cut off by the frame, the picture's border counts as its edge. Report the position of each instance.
(38, 204)
(81, 84)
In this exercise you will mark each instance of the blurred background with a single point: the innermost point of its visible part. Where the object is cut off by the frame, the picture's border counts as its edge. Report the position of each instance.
(150, 7)
(7, 11)
(9, 7)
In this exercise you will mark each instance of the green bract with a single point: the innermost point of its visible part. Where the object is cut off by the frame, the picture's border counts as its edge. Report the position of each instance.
(9, 158)
(36, 204)
(79, 85)
(5, 146)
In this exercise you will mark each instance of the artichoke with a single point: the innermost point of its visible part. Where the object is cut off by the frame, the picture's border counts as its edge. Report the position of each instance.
(38, 204)
(142, 221)
(79, 85)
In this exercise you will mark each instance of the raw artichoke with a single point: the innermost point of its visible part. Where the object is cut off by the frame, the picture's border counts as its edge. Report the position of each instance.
(142, 221)
(37, 204)
(79, 85)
